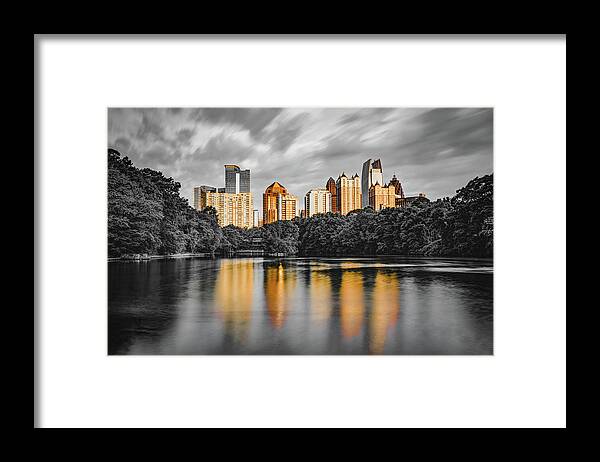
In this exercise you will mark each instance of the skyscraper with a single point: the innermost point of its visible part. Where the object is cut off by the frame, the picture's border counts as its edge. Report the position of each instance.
(278, 204)
(330, 186)
(255, 218)
(381, 197)
(348, 193)
(371, 174)
(236, 180)
(317, 201)
(232, 209)
(400, 199)
(197, 191)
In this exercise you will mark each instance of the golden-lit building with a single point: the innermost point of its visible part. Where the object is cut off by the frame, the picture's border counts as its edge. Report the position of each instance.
(330, 186)
(316, 201)
(348, 193)
(372, 173)
(198, 190)
(278, 204)
(232, 209)
(400, 199)
(381, 197)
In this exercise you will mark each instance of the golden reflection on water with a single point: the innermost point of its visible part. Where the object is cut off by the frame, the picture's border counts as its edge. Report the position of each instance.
(233, 295)
(352, 303)
(350, 265)
(384, 312)
(320, 296)
(279, 288)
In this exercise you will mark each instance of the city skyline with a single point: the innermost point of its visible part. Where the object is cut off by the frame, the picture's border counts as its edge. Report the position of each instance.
(302, 148)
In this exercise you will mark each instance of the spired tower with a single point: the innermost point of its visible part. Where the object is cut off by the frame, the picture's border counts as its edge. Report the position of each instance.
(400, 199)
(372, 173)
(381, 196)
(348, 193)
(330, 186)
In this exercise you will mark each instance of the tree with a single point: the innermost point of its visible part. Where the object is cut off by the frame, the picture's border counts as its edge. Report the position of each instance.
(146, 214)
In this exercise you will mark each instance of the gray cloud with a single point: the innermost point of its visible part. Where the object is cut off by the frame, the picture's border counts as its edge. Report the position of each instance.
(435, 151)
(252, 119)
(284, 135)
(122, 144)
(185, 134)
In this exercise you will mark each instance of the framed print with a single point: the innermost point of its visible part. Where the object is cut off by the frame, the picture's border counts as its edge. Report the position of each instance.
(299, 231)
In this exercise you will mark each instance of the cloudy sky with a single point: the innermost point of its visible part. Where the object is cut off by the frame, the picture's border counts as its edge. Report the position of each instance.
(435, 151)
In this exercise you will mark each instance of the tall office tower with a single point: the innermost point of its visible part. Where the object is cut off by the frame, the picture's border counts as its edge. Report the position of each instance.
(255, 218)
(330, 186)
(381, 197)
(400, 199)
(278, 204)
(371, 174)
(348, 193)
(232, 209)
(236, 180)
(197, 191)
(317, 201)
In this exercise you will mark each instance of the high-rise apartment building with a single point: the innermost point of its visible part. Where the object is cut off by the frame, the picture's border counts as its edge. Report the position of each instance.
(236, 180)
(232, 209)
(317, 201)
(349, 196)
(287, 207)
(197, 192)
(381, 197)
(278, 204)
(330, 186)
(255, 218)
(371, 173)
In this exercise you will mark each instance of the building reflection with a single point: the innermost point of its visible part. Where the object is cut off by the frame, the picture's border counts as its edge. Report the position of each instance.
(279, 287)
(233, 296)
(384, 312)
(352, 303)
(320, 296)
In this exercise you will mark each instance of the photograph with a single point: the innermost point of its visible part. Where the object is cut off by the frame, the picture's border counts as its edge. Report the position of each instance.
(300, 231)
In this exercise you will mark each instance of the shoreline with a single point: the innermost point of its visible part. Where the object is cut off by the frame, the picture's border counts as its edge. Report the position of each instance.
(289, 257)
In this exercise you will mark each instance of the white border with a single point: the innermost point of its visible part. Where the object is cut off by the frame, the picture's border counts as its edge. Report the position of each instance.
(523, 384)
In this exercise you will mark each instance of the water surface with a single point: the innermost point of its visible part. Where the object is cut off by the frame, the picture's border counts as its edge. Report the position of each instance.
(309, 306)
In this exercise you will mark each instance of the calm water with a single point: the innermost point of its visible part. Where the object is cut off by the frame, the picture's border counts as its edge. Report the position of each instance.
(300, 306)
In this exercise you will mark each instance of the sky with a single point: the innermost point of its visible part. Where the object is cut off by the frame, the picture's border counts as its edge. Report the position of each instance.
(430, 150)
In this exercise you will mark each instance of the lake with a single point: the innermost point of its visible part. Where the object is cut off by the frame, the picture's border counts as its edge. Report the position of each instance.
(304, 306)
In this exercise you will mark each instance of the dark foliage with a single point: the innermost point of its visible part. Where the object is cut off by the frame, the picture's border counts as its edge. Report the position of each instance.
(146, 214)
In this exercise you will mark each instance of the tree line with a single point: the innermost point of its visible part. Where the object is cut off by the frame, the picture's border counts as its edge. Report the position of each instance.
(146, 214)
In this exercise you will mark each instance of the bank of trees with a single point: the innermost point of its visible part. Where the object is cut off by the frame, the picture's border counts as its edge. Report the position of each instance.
(146, 214)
